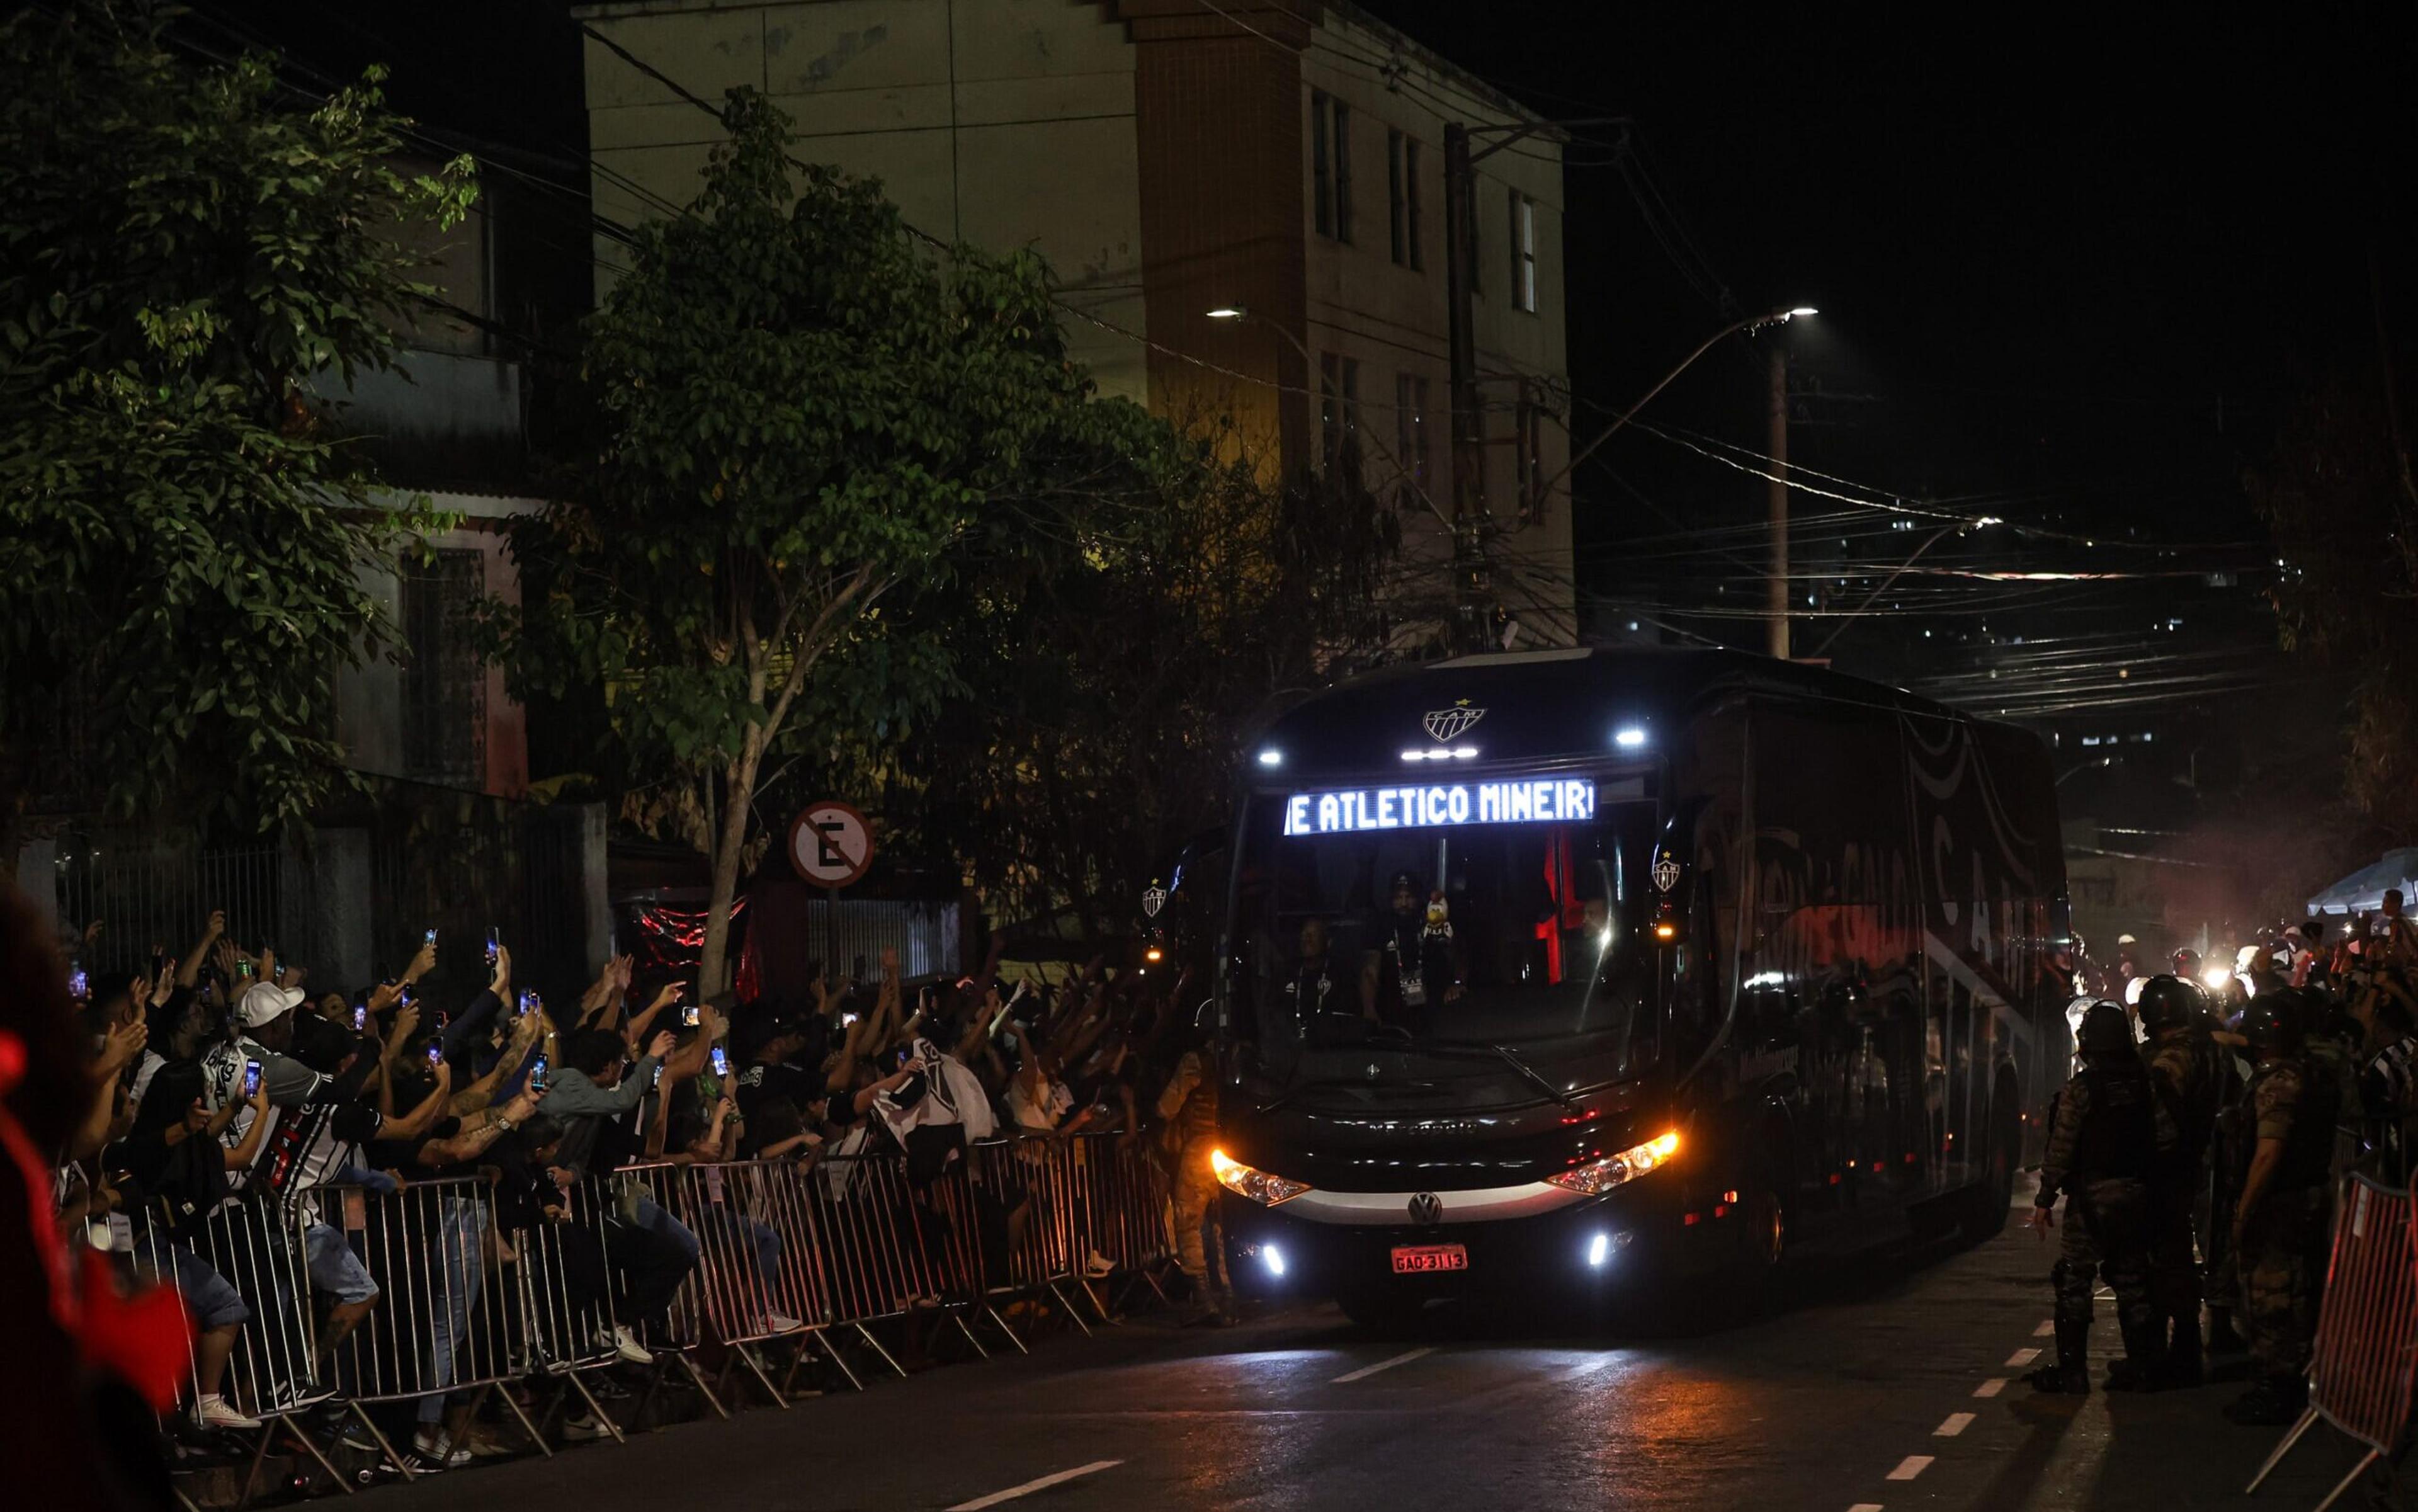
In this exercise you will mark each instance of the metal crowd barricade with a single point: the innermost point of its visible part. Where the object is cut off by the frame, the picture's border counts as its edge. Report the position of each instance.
(1042, 1247)
(641, 1208)
(566, 1297)
(874, 1266)
(445, 1321)
(2359, 1372)
(760, 1276)
(260, 1378)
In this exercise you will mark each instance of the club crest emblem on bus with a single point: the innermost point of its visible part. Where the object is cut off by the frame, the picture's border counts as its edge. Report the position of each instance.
(1154, 898)
(1445, 726)
(1666, 874)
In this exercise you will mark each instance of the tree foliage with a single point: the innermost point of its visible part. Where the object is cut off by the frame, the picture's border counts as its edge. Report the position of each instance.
(1110, 691)
(186, 251)
(2336, 491)
(800, 408)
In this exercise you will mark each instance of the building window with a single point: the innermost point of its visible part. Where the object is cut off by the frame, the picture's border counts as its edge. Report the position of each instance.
(445, 680)
(1411, 437)
(1531, 458)
(1403, 194)
(1523, 251)
(1338, 416)
(1330, 167)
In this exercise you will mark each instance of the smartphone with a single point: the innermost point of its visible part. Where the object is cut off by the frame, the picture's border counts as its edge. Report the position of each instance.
(360, 1018)
(429, 938)
(689, 1016)
(159, 964)
(528, 1003)
(495, 943)
(856, 969)
(243, 967)
(845, 1019)
(659, 1077)
(408, 996)
(537, 1074)
(251, 1079)
(435, 1054)
(79, 983)
(721, 1062)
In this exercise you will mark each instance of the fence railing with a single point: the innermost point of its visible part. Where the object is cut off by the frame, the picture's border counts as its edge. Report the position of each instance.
(755, 1268)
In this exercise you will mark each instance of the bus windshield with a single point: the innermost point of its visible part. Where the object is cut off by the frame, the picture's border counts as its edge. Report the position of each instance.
(1527, 935)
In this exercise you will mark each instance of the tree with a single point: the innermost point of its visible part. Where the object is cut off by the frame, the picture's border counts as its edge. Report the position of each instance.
(799, 408)
(189, 258)
(1113, 688)
(2336, 492)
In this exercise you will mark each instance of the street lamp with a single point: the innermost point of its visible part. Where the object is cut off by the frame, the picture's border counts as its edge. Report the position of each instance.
(1749, 325)
(1239, 313)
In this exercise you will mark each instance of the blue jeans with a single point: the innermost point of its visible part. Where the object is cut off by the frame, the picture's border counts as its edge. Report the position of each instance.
(461, 1229)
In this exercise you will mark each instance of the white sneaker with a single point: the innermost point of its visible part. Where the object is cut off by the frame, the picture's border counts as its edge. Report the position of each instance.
(582, 1429)
(781, 1322)
(436, 1451)
(213, 1412)
(626, 1345)
(1098, 1266)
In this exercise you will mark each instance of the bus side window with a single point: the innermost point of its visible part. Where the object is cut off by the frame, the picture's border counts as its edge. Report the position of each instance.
(1696, 1005)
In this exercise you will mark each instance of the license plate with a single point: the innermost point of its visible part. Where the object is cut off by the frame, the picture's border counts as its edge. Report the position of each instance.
(1413, 1259)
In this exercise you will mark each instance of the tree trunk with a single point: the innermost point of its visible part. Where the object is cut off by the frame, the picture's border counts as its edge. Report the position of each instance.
(738, 802)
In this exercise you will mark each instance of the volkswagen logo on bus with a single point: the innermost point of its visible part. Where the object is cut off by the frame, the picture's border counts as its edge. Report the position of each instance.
(1445, 726)
(1427, 1208)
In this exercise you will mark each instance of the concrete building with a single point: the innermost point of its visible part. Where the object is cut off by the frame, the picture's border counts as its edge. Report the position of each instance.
(1281, 158)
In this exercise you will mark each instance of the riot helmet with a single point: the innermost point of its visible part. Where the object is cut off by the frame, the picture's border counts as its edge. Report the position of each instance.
(2270, 1024)
(2106, 1030)
(2169, 1003)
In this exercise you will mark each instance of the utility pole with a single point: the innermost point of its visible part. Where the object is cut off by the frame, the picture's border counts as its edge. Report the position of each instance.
(1473, 573)
(1469, 570)
(1776, 597)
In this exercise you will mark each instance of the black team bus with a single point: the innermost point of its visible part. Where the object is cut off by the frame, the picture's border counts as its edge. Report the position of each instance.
(1628, 974)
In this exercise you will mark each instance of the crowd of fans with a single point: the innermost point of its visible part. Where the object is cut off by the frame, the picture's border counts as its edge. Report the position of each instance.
(224, 1077)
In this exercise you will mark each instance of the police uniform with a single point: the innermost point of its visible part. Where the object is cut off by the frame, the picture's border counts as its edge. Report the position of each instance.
(2184, 1077)
(2284, 1239)
(2102, 1150)
(1189, 1106)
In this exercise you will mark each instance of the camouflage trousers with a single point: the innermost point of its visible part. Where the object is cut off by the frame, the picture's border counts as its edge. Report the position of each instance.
(1196, 1208)
(2107, 1232)
(2174, 1260)
(2283, 1265)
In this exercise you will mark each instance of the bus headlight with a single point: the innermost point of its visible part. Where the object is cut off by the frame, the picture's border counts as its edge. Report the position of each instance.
(1601, 1176)
(1246, 1181)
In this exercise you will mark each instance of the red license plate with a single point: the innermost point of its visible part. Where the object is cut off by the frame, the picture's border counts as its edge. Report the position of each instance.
(1413, 1259)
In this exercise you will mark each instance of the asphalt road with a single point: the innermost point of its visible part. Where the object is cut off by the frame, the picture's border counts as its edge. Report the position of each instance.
(1890, 1384)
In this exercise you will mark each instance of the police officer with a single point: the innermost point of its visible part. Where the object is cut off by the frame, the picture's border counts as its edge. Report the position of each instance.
(2279, 1225)
(2101, 1149)
(2184, 1076)
(1188, 1106)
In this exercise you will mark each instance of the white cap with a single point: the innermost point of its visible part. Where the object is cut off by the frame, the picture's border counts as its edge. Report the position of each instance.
(265, 1003)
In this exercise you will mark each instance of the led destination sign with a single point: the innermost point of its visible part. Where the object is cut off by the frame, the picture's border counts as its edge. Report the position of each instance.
(1516, 801)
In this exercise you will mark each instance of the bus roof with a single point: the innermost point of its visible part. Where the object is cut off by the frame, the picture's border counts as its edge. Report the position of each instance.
(1542, 706)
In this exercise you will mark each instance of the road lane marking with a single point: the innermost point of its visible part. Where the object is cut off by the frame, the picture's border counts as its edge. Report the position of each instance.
(1991, 1387)
(1032, 1486)
(1865, 1506)
(1367, 1370)
(2046, 1330)
(2022, 1357)
(1907, 1468)
(1956, 1423)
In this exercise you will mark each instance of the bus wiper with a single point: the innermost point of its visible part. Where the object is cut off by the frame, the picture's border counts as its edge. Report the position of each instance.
(1505, 1054)
(1315, 1083)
